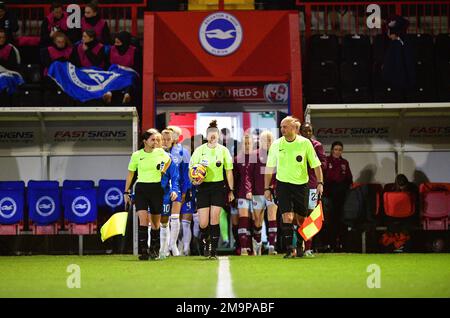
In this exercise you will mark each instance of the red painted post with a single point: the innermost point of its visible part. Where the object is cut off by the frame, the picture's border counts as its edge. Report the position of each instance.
(296, 68)
(307, 21)
(134, 21)
(148, 76)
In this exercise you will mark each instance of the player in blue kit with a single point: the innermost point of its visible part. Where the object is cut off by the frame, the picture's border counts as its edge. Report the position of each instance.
(172, 193)
(180, 157)
(187, 211)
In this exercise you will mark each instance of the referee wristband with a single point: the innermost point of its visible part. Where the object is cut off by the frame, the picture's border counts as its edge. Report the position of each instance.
(319, 183)
(126, 192)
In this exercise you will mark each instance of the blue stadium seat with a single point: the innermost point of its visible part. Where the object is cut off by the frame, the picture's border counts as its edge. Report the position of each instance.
(110, 195)
(80, 206)
(12, 201)
(44, 206)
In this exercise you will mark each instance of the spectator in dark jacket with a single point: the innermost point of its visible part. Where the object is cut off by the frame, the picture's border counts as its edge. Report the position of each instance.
(338, 179)
(93, 21)
(8, 22)
(9, 55)
(398, 69)
(89, 52)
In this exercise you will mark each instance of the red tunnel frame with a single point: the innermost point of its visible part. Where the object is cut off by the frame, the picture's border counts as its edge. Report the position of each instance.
(270, 52)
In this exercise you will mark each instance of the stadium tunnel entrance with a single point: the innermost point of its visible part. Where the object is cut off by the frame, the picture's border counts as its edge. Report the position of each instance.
(241, 68)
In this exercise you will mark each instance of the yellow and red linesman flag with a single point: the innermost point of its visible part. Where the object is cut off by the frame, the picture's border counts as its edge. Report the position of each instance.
(116, 225)
(312, 224)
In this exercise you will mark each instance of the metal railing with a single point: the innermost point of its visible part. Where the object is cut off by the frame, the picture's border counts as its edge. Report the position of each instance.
(350, 17)
(120, 16)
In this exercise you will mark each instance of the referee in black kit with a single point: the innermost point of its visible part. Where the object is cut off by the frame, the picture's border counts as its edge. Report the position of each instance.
(290, 155)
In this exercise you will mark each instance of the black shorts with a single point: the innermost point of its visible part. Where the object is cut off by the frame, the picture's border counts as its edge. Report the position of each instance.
(211, 193)
(292, 198)
(149, 195)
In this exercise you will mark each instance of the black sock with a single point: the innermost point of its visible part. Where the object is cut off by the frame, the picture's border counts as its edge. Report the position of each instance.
(143, 239)
(155, 243)
(287, 234)
(215, 234)
(299, 239)
(204, 234)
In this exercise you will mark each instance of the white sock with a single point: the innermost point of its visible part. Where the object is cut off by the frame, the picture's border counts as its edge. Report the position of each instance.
(164, 237)
(196, 228)
(174, 229)
(187, 235)
(263, 233)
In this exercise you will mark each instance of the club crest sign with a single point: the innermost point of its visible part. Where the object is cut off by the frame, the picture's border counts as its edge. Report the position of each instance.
(220, 34)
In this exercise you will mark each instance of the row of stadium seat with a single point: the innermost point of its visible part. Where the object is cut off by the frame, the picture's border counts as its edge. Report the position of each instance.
(78, 202)
(357, 82)
(434, 201)
(351, 72)
(351, 47)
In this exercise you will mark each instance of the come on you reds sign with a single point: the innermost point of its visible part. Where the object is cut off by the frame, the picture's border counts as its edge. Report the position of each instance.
(275, 93)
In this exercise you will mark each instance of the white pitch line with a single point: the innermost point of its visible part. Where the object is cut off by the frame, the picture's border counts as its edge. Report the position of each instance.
(224, 283)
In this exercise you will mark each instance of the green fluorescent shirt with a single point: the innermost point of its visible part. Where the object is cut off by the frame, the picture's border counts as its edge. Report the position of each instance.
(147, 164)
(209, 157)
(289, 159)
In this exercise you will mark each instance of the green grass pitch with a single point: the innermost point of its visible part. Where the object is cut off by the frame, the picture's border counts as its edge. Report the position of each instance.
(327, 275)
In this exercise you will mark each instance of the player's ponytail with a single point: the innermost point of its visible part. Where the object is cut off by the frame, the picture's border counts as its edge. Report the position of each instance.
(212, 127)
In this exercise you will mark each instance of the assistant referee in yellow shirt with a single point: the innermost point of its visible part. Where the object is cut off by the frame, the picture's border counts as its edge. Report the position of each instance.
(290, 155)
(151, 163)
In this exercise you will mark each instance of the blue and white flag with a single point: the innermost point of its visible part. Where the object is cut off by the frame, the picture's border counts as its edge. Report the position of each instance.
(89, 83)
(9, 80)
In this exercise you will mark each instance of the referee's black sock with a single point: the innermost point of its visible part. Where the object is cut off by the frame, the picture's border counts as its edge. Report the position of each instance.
(143, 239)
(287, 229)
(204, 234)
(205, 240)
(155, 240)
(299, 247)
(215, 234)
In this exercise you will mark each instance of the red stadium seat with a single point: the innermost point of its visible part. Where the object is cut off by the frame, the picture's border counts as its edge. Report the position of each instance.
(435, 201)
(399, 204)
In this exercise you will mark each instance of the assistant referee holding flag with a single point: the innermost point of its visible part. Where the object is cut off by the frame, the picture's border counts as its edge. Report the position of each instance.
(151, 163)
(290, 155)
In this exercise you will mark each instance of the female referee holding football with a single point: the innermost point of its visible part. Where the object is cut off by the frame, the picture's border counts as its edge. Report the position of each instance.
(151, 163)
(211, 193)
